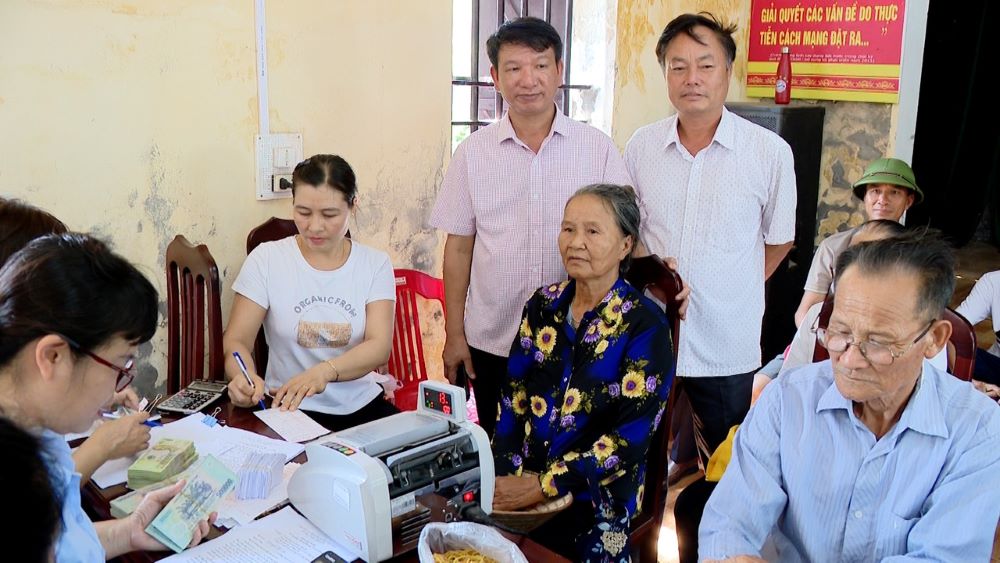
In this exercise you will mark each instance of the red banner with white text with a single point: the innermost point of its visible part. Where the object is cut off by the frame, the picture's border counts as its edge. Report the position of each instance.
(840, 50)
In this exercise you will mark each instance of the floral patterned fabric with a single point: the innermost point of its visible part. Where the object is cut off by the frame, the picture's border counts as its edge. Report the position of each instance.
(580, 406)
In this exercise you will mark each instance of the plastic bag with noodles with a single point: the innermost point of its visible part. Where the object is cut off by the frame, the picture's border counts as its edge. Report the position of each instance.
(439, 538)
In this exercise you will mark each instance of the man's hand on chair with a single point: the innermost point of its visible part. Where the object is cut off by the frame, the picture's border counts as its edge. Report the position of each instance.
(685, 292)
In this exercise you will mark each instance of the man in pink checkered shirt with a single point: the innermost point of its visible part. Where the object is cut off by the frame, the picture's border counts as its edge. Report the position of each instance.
(502, 201)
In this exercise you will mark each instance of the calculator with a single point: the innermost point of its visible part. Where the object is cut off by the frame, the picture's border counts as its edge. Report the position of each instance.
(196, 396)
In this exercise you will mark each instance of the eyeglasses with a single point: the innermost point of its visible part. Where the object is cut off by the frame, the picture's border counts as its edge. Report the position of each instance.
(875, 352)
(125, 375)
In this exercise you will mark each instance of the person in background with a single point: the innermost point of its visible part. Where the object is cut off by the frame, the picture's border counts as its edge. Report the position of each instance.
(21, 223)
(72, 313)
(326, 304)
(874, 454)
(502, 200)
(800, 351)
(888, 189)
(25, 481)
(589, 374)
(981, 304)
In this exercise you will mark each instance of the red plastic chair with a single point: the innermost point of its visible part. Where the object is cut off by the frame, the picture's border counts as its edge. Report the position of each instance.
(407, 359)
(193, 297)
(652, 273)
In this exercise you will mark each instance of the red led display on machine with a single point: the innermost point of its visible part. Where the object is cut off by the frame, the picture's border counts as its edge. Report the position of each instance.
(438, 401)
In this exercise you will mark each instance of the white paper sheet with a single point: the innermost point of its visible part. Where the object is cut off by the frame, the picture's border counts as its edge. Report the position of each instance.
(279, 537)
(190, 427)
(235, 444)
(229, 445)
(294, 426)
(233, 511)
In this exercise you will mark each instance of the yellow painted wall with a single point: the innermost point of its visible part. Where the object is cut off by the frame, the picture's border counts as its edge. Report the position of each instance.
(640, 91)
(135, 120)
(854, 133)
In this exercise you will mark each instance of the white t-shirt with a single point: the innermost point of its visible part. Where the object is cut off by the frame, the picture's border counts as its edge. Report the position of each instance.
(984, 302)
(315, 315)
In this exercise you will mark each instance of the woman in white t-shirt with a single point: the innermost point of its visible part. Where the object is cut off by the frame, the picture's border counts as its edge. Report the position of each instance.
(326, 304)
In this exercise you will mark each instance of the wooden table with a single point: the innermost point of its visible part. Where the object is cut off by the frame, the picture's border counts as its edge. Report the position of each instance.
(97, 501)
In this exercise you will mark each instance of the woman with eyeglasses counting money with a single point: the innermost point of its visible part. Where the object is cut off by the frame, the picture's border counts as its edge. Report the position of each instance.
(20, 223)
(71, 315)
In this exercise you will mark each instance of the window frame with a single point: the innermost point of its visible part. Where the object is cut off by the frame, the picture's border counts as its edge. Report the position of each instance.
(567, 87)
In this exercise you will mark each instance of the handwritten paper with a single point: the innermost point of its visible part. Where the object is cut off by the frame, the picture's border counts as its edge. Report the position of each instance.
(115, 471)
(230, 445)
(294, 426)
(235, 444)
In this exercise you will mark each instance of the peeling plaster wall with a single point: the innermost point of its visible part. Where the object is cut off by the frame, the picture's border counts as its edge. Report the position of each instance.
(854, 133)
(135, 120)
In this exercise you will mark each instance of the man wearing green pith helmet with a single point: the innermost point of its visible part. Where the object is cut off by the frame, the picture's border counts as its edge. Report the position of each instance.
(887, 188)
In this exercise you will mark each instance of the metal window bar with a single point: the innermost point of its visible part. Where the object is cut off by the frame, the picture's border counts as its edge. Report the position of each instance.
(474, 69)
(497, 98)
(567, 58)
(475, 123)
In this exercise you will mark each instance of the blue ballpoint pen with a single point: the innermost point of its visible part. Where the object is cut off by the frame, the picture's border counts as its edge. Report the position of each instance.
(151, 422)
(246, 374)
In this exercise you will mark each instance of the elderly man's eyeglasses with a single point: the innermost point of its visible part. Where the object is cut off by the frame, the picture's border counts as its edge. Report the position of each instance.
(125, 374)
(876, 353)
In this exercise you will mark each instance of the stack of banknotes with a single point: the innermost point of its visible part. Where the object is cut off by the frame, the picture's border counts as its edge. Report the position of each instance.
(259, 474)
(209, 481)
(125, 504)
(163, 460)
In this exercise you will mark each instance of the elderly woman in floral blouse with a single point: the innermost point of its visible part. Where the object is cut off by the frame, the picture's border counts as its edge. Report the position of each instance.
(587, 383)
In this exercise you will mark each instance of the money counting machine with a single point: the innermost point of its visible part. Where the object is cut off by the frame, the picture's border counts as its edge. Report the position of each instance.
(374, 487)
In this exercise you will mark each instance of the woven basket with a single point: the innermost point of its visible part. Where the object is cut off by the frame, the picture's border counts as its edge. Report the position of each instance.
(527, 519)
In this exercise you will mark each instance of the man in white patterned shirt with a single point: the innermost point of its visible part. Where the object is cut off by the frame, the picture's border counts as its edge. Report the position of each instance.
(719, 195)
(502, 201)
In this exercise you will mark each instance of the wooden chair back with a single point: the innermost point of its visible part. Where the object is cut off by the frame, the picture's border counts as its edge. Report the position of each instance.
(820, 353)
(194, 315)
(272, 229)
(651, 273)
(963, 340)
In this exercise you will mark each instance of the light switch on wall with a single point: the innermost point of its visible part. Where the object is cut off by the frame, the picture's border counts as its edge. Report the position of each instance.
(283, 158)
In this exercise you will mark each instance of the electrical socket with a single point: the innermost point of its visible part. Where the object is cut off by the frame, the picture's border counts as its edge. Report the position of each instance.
(281, 183)
(277, 155)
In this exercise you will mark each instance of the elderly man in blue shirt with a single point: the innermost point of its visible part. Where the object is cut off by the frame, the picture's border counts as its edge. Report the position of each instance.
(874, 455)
